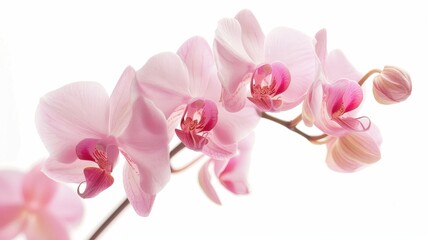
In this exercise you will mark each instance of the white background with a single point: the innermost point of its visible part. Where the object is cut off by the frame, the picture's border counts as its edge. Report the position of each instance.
(46, 44)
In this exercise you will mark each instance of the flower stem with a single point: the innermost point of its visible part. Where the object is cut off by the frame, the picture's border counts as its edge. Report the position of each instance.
(112, 216)
(367, 75)
(291, 125)
(177, 170)
(126, 202)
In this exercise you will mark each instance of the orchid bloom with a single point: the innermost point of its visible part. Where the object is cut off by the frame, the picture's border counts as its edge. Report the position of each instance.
(33, 204)
(280, 67)
(186, 89)
(354, 150)
(232, 173)
(84, 131)
(334, 99)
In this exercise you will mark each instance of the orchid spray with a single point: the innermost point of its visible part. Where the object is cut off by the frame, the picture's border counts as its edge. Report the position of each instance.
(209, 96)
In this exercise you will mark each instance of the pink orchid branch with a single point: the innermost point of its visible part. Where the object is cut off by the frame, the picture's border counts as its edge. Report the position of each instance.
(126, 202)
(291, 125)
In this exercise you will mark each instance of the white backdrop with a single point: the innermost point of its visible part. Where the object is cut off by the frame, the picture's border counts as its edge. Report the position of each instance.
(46, 44)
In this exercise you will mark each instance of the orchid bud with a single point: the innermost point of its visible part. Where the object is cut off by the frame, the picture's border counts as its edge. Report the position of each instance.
(393, 85)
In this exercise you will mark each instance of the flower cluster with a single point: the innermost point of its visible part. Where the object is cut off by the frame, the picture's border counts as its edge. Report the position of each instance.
(211, 99)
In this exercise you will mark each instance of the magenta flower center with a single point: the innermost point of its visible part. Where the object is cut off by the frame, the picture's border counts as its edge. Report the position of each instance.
(199, 118)
(104, 152)
(268, 82)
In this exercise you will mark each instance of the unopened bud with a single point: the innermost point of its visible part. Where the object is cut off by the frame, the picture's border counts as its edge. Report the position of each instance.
(393, 85)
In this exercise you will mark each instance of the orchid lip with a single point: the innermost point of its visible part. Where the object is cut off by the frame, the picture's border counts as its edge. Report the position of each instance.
(268, 82)
(199, 118)
(104, 152)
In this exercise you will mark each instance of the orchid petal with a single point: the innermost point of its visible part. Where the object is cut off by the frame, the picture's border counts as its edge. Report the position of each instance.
(142, 202)
(163, 77)
(219, 151)
(231, 128)
(37, 187)
(66, 172)
(354, 150)
(235, 101)
(73, 212)
(321, 43)
(204, 179)
(12, 220)
(45, 226)
(233, 63)
(198, 57)
(337, 66)
(68, 114)
(97, 180)
(145, 144)
(359, 124)
(252, 36)
(120, 102)
(312, 103)
(174, 120)
(234, 175)
(296, 51)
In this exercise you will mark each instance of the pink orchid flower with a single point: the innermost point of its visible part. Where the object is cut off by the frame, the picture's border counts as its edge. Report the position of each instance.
(186, 89)
(334, 99)
(84, 131)
(280, 67)
(33, 204)
(354, 150)
(232, 173)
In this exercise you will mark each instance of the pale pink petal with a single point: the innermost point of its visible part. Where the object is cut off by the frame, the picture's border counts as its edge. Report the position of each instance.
(142, 202)
(219, 151)
(12, 220)
(321, 43)
(229, 35)
(145, 144)
(234, 175)
(10, 185)
(69, 114)
(204, 179)
(359, 124)
(37, 187)
(354, 151)
(234, 65)
(198, 57)
(296, 51)
(252, 36)
(337, 66)
(164, 80)
(231, 128)
(174, 119)
(235, 101)
(45, 226)
(121, 102)
(66, 172)
(73, 212)
(312, 103)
